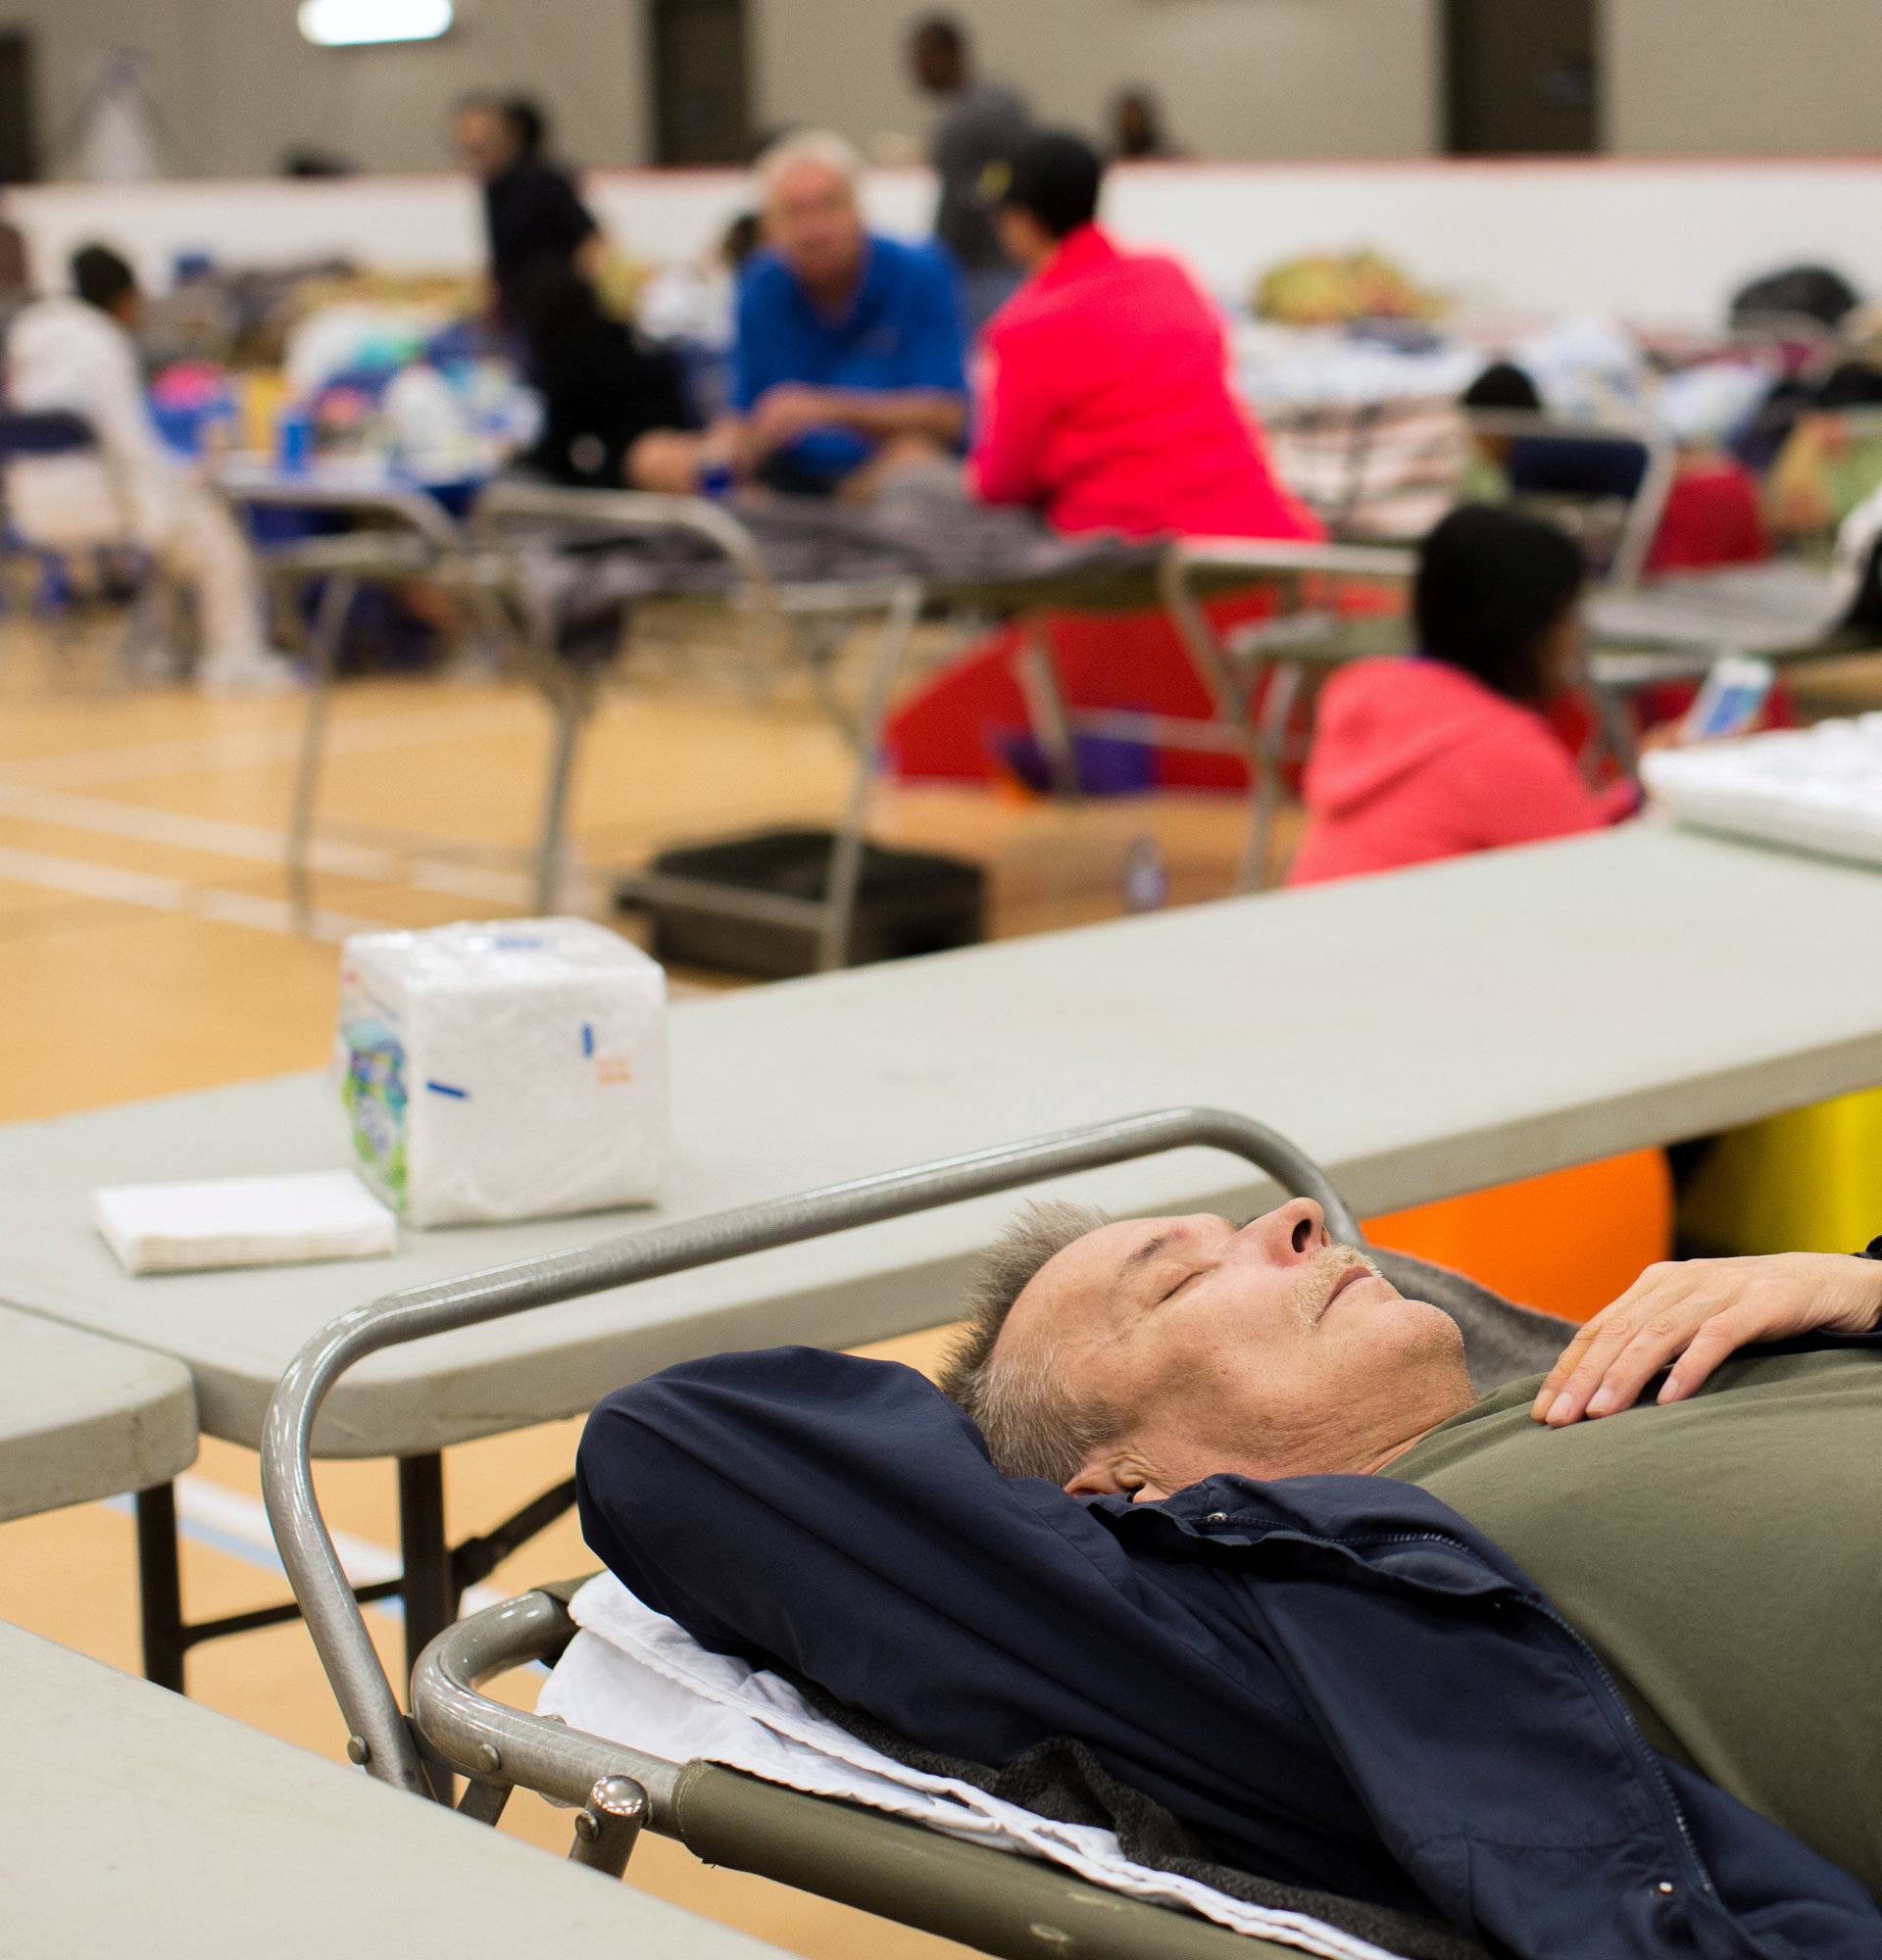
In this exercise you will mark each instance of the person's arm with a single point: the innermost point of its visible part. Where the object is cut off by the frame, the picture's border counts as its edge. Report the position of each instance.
(1692, 1314)
(565, 221)
(791, 410)
(1012, 414)
(928, 399)
(840, 1516)
(117, 410)
(1523, 788)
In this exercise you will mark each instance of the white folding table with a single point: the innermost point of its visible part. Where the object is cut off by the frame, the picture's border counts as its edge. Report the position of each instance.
(82, 1417)
(133, 1822)
(1418, 1035)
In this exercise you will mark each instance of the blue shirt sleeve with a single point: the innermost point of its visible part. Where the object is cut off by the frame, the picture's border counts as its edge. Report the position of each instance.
(935, 351)
(758, 335)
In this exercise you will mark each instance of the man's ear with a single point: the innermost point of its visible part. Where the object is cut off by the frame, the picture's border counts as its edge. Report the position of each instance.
(1116, 1474)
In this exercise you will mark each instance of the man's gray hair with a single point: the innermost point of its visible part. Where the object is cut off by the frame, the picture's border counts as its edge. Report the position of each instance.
(808, 146)
(1032, 1427)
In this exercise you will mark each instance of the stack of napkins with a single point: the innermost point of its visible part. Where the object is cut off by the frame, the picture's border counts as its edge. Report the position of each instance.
(510, 1070)
(1816, 789)
(243, 1221)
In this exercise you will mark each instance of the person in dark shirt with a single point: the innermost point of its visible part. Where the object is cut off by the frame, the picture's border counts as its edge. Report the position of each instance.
(532, 212)
(980, 125)
(612, 403)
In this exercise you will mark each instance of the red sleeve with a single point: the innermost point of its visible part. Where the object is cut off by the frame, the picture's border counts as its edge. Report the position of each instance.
(1012, 414)
(1525, 788)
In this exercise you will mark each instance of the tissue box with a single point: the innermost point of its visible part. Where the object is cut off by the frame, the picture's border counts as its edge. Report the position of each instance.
(511, 1070)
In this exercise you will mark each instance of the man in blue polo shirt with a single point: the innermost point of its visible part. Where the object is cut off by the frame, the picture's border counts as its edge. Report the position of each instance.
(850, 360)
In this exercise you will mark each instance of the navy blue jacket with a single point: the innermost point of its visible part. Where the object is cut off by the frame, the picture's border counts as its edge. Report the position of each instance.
(1332, 1681)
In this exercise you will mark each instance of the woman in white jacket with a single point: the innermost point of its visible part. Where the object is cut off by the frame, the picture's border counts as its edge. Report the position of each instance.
(76, 355)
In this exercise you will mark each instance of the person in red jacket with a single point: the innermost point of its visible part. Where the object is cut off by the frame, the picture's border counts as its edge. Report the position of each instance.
(1103, 399)
(1449, 753)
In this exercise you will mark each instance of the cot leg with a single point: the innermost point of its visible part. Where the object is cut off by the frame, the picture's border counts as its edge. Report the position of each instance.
(846, 859)
(160, 1587)
(426, 1590)
(323, 643)
(608, 1825)
(1267, 758)
(484, 1801)
(1046, 710)
(570, 703)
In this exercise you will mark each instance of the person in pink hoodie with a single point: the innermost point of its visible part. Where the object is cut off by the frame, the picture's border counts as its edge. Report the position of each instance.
(1448, 752)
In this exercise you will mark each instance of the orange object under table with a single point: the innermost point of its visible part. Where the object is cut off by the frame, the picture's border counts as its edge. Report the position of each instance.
(1569, 1242)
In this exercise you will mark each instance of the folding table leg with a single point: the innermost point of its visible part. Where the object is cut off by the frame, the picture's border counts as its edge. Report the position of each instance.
(160, 1587)
(426, 1590)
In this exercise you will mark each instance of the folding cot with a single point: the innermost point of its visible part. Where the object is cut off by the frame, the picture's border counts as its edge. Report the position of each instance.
(554, 570)
(1000, 1904)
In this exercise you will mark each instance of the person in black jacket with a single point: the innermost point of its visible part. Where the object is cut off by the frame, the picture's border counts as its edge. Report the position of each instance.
(609, 396)
(1220, 1503)
(532, 212)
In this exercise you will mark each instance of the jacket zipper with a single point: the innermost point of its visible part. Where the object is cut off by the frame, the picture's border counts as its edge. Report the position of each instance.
(1638, 1745)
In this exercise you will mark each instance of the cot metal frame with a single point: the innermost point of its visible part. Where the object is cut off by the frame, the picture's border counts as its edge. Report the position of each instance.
(405, 537)
(798, 618)
(1006, 1906)
(377, 1732)
(1646, 506)
(418, 541)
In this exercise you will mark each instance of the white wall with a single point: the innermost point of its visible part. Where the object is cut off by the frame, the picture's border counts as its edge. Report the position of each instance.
(1242, 78)
(1239, 78)
(1742, 77)
(235, 86)
(1654, 243)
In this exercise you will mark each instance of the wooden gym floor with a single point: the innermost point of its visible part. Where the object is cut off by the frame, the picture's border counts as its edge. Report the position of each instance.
(146, 948)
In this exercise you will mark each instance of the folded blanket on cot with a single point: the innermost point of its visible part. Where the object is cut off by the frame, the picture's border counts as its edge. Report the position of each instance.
(1817, 789)
(578, 579)
(633, 1676)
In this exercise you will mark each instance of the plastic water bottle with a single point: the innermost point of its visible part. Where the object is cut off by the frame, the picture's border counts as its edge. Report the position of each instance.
(1145, 883)
(294, 440)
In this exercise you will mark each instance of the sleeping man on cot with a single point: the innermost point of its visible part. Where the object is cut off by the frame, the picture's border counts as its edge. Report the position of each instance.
(1592, 1665)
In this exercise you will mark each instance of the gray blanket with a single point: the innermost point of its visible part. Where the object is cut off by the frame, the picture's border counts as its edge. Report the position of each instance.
(581, 582)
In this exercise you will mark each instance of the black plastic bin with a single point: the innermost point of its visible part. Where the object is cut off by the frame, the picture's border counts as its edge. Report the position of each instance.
(907, 902)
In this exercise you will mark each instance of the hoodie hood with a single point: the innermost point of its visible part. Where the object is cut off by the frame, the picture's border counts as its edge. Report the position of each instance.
(1381, 721)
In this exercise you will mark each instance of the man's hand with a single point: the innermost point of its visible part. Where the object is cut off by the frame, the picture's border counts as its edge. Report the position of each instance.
(782, 414)
(1692, 1314)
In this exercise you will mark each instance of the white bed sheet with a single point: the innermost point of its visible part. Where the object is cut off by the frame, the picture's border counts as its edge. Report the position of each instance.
(1817, 789)
(633, 1676)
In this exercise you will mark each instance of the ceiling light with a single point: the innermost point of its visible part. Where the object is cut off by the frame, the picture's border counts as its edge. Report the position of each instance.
(354, 24)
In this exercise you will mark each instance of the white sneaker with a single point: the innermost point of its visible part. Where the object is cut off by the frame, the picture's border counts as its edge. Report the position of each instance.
(257, 673)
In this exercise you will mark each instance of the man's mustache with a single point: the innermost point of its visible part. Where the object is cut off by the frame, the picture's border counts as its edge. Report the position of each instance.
(1320, 1278)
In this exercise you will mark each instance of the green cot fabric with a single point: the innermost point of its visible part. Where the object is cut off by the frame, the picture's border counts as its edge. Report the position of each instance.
(1724, 1555)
